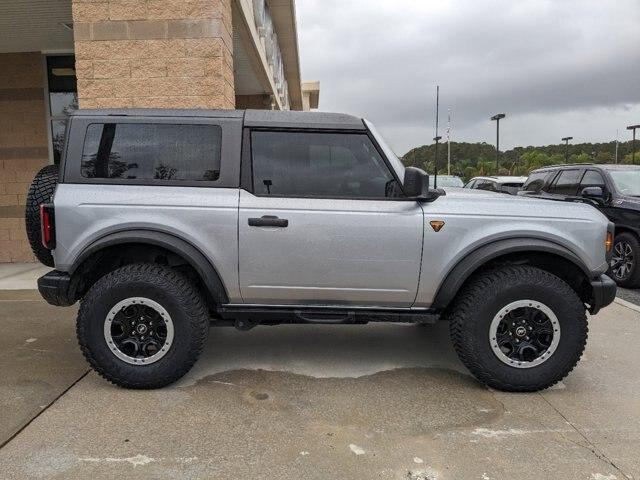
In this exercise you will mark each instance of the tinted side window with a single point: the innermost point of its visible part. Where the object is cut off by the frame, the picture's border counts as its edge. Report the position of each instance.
(152, 151)
(486, 185)
(471, 184)
(327, 165)
(566, 183)
(592, 179)
(535, 182)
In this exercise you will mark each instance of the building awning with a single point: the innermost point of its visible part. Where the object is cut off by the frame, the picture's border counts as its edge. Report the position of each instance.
(35, 26)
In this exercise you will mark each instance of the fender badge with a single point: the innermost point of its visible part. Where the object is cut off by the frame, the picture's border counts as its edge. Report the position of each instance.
(436, 225)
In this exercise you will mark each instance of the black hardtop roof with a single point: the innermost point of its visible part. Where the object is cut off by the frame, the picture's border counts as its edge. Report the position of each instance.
(252, 118)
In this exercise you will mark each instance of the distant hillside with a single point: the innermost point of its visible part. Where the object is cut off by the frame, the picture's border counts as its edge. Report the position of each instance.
(473, 159)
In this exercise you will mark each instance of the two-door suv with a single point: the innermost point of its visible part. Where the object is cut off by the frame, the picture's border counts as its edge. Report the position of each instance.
(163, 223)
(615, 191)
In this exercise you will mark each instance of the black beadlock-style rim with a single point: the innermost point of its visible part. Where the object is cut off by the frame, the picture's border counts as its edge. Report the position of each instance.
(524, 334)
(622, 260)
(138, 331)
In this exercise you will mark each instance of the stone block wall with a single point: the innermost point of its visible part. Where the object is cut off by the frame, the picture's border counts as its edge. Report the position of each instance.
(23, 146)
(154, 53)
(23, 129)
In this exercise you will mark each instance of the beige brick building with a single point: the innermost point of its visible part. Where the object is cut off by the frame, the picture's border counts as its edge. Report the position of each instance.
(59, 55)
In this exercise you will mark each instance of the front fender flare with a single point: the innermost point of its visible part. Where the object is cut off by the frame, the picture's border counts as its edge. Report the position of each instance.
(205, 269)
(485, 253)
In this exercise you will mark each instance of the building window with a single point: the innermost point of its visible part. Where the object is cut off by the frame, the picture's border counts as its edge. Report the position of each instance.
(62, 98)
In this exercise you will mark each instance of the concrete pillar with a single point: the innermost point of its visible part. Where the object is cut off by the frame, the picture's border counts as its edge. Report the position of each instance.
(154, 53)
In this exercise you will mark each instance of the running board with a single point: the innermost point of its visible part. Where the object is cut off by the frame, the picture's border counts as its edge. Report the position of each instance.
(247, 317)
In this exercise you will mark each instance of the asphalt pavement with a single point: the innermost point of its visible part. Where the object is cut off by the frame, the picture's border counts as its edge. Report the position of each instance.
(632, 296)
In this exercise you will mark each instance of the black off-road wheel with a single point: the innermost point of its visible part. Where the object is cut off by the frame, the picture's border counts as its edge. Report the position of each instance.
(625, 261)
(40, 191)
(142, 326)
(518, 328)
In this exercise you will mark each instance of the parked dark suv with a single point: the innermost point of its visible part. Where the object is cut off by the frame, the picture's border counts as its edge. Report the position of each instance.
(615, 190)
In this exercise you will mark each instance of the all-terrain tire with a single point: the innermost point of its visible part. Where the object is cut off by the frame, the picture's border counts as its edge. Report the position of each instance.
(632, 279)
(40, 191)
(485, 295)
(172, 291)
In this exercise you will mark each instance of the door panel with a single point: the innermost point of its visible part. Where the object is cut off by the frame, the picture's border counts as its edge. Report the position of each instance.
(330, 252)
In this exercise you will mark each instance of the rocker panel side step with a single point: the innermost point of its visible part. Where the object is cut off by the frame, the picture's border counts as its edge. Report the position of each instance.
(245, 317)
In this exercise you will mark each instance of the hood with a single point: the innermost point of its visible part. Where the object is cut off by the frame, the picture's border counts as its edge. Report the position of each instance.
(627, 201)
(482, 202)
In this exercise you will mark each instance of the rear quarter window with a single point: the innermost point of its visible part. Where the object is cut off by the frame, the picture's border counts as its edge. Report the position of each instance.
(147, 152)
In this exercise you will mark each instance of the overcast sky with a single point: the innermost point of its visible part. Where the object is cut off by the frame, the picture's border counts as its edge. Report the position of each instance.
(555, 67)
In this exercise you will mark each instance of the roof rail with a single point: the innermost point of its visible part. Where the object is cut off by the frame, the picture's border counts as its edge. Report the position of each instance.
(566, 165)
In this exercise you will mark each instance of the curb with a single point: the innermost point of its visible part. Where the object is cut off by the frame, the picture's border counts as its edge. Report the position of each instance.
(629, 305)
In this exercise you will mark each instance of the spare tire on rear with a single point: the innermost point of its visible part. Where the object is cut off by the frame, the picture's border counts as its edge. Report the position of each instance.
(40, 191)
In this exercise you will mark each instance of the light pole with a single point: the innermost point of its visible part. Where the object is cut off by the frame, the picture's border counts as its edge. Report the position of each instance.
(435, 178)
(566, 148)
(633, 143)
(497, 118)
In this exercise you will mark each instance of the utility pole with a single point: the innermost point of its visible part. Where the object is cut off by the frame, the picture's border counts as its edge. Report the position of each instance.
(497, 118)
(566, 148)
(449, 143)
(435, 180)
(617, 136)
(633, 143)
(436, 138)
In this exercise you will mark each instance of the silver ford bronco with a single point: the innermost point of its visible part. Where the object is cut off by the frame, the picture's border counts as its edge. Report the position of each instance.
(164, 222)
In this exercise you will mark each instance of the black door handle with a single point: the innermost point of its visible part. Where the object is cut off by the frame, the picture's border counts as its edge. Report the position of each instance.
(268, 221)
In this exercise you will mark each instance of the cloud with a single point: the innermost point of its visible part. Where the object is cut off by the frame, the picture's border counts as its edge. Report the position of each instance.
(563, 67)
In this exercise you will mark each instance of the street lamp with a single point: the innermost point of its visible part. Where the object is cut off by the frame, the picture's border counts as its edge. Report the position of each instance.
(497, 118)
(566, 148)
(633, 143)
(435, 177)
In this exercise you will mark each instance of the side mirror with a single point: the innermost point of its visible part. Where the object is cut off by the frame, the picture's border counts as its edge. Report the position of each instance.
(594, 193)
(416, 182)
(416, 185)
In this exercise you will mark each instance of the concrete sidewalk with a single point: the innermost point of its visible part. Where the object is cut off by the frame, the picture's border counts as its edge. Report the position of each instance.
(314, 402)
(21, 276)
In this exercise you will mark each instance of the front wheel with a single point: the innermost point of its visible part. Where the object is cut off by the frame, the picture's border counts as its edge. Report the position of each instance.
(518, 328)
(625, 261)
(142, 326)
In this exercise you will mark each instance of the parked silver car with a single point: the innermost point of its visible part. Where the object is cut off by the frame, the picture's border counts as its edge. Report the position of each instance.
(162, 222)
(446, 181)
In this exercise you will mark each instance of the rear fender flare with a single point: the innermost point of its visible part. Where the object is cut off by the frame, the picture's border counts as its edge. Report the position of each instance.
(205, 269)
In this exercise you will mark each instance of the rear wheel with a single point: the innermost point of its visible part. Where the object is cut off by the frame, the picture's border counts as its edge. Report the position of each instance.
(40, 191)
(625, 268)
(518, 328)
(142, 326)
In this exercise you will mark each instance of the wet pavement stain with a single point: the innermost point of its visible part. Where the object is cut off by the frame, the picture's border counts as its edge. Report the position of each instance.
(404, 401)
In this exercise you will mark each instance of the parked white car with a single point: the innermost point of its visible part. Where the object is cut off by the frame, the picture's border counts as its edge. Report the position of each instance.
(510, 185)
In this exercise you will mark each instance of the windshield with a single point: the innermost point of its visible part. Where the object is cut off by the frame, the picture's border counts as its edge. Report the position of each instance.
(396, 163)
(627, 181)
(446, 181)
